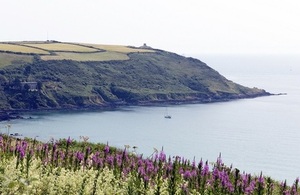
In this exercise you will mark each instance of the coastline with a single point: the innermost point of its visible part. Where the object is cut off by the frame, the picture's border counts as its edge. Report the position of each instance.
(7, 115)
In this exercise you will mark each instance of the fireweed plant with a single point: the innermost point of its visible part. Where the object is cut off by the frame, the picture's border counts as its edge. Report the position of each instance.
(70, 167)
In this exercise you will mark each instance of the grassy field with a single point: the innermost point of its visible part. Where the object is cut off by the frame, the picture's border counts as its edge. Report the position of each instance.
(20, 49)
(120, 48)
(7, 59)
(99, 56)
(63, 47)
(67, 51)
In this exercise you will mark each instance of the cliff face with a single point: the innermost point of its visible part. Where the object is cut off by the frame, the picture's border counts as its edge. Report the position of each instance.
(42, 81)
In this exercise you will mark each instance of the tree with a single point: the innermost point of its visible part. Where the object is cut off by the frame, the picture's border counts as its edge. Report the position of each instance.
(26, 87)
(27, 70)
(3, 80)
(39, 85)
(17, 84)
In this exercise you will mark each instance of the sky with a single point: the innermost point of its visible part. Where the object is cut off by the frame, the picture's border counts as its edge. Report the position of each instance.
(184, 27)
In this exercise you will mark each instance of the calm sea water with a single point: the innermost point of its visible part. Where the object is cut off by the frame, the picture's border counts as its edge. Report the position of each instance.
(254, 135)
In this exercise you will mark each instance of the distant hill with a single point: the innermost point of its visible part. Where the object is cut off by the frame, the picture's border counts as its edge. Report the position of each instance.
(59, 75)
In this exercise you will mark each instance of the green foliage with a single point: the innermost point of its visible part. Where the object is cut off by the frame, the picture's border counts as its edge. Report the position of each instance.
(28, 166)
(145, 77)
(27, 70)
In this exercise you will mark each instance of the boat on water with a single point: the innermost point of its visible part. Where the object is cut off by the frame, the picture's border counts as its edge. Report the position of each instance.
(167, 116)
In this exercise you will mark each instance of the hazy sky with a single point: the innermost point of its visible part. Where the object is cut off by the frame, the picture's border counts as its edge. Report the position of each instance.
(184, 27)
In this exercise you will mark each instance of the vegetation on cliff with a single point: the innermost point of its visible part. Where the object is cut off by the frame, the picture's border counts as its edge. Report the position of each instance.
(55, 75)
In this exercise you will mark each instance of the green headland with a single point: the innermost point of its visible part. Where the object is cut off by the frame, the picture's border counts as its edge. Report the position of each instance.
(59, 75)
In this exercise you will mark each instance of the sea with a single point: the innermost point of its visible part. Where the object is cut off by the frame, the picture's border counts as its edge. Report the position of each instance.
(254, 135)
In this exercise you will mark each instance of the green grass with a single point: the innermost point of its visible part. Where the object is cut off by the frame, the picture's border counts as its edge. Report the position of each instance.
(8, 59)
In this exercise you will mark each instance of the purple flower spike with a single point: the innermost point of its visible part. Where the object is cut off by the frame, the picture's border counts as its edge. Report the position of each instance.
(181, 171)
(216, 173)
(140, 162)
(24, 144)
(119, 159)
(146, 178)
(187, 174)
(250, 188)
(162, 156)
(219, 161)
(54, 147)
(79, 156)
(205, 169)
(22, 153)
(69, 141)
(106, 149)
(62, 155)
(110, 160)
(261, 179)
(141, 171)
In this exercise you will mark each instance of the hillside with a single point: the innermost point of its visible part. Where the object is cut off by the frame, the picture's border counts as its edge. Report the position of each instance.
(56, 75)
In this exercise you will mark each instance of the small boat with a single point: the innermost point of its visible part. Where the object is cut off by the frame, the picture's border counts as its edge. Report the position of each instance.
(167, 116)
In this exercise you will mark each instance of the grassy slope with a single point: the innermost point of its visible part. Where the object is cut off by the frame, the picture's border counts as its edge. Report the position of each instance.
(97, 56)
(77, 75)
(7, 59)
(8, 47)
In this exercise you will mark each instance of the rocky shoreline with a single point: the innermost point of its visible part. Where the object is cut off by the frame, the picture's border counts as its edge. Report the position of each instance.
(6, 115)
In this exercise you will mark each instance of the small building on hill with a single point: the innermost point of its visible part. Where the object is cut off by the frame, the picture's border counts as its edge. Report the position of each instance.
(31, 86)
(145, 46)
